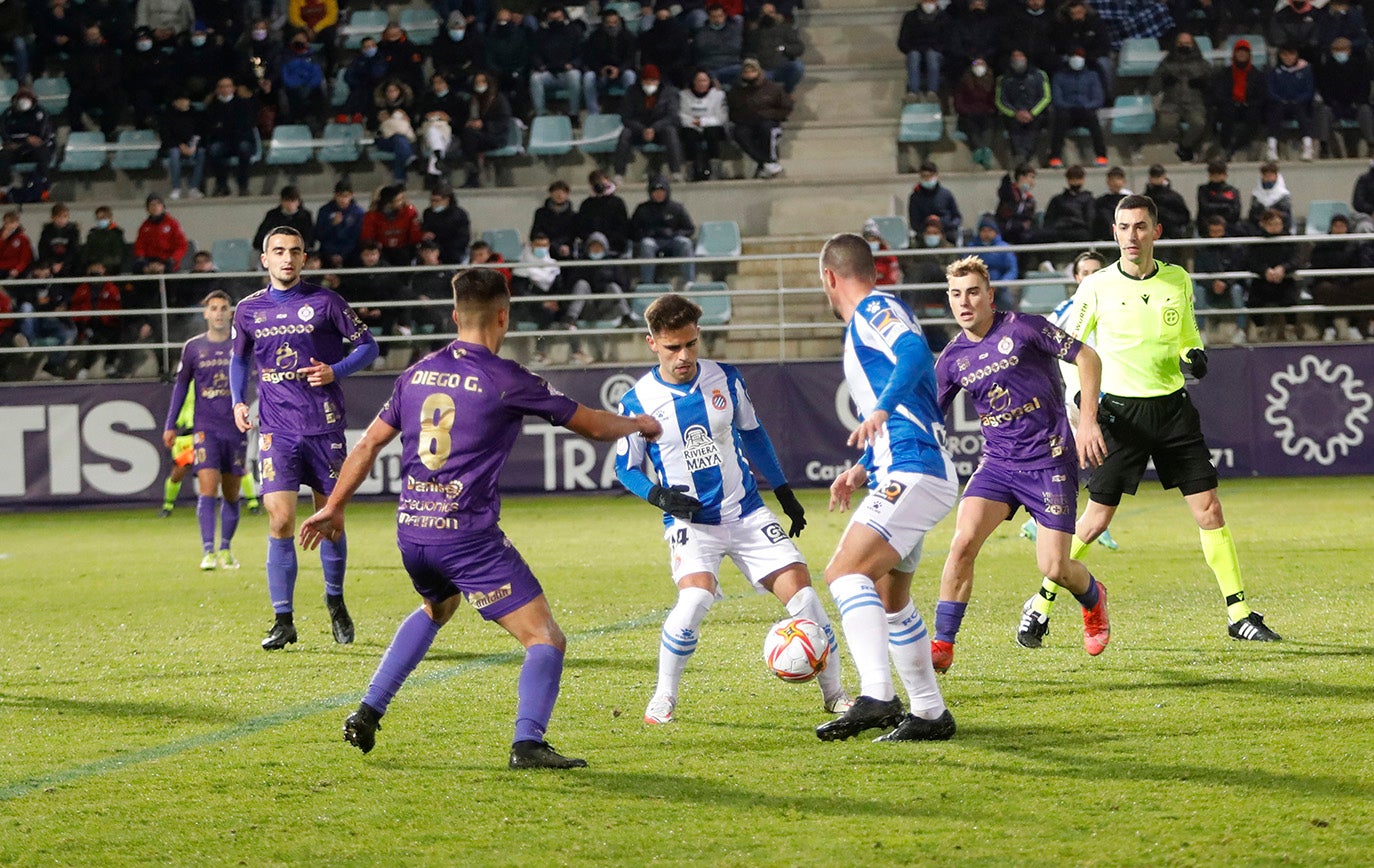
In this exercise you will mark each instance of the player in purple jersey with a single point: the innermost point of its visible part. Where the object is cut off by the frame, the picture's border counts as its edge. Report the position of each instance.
(295, 333)
(1007, 362)
(446, 521)
(220, 447)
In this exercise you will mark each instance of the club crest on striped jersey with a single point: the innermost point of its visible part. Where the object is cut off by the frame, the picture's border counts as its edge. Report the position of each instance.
(698, 449)
(717, 399)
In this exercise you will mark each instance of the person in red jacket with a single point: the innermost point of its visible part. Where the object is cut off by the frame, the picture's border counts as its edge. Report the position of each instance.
(889, 271)
(160, 237)
(16, 250)
(393, 223)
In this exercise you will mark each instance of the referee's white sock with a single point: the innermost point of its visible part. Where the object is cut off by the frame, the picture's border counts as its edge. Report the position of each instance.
(865, 629)
(679, 638)
(908, 642)
(806, 603)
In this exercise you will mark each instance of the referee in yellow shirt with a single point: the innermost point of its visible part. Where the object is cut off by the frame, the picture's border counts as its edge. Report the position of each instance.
(1141, 311)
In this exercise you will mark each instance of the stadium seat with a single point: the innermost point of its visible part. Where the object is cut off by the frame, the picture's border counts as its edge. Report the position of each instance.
(363, 23)
(138, 150)
(1042, 298)
(290, 145)
(600, 134)
(714, 299)
(718, 238)
(644, 295)
(629, 12)
(420, 24)
(515, 144)
(8, 87)
(52, 93)
(921, 122)
(233, 254)
(1320, 212)
(338, 94)
(343, 142)
(1138, 58)
(505, 242)
(1132, 114)
(894, 231)
(1204, 45)
(550, 136)
(84, 152)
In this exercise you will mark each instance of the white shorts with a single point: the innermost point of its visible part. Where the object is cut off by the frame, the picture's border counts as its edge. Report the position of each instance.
(757, 543)
(904, 507)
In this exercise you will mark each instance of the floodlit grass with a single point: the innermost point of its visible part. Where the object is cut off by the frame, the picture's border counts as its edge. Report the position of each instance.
(140, 723)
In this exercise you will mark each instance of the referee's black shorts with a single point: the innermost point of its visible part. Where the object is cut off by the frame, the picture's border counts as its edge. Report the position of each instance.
(1167, 429)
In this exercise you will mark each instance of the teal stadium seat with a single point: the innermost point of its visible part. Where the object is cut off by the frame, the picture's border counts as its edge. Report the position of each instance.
(8, 88)
(644, 295)
(1138, 58)
(290, 145)
(921, 122)
(53, 93)
(1042, 298)
(714, 298)
(420, 24)
(363, 23)
(138, 150)
(505, 242)
(338, 94)
(894, 231)
(515, 142)
(718, 238)
(233, 254)
(1132, 114)
(342, 142)
(550, 136)
(1319, 215)
(629, 12)
(84, 152)
(599, 134)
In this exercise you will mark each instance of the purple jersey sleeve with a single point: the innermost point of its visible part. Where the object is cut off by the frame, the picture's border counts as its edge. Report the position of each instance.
(531, 395)
(1049, 338)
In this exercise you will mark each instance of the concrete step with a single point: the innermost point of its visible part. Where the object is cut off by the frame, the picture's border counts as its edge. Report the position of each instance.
(862, 98)
(868, 39)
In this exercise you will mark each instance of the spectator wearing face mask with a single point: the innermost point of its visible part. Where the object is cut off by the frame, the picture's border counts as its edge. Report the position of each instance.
(974, 32)
(446, 224)
(1270, 194)
(229, 125)
(649, 115)
(289, 213)
(609, 58)
(303, 98)
(1295, 23)
(201, 60)
(1343, 81)
(165, 19)
(393, 223)
(605, 212)
(339, 227)
(148, 76)
(364, 73)
(105, 242)
(1179, 88)
(888, 272)
(1023, 99)
(160, 238)
(1077, 95)
(921, 41)
(758, 108)
(318, 22)
(1292, 89)
(458, 52)
(719, 46)
(775, 43)
(95, 75)
(929, 198)
(1030, 26)
(1069, 216)
(666, 42)
(1237, 101)
(1343, 19)
(975, 104)
(556, 62)
(600, 288)
(27, 134)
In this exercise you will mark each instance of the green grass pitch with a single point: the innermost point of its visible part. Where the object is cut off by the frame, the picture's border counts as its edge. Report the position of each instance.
(140, 723)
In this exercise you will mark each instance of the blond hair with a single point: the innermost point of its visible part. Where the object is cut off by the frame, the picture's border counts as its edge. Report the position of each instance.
(969, 265)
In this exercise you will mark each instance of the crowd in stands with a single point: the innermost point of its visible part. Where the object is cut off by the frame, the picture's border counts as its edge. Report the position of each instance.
(342, 236)
(1033, 70)
(213, 80)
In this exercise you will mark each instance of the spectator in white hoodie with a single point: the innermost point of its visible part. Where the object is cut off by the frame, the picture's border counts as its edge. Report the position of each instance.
(702, 114)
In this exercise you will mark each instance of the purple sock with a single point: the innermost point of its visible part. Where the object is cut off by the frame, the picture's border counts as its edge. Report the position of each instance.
(407, 649)
(334, 558)
(1088, 598)
(539, 677)
(206, 507)
(228, 522)
(948, 616)
(281, 573)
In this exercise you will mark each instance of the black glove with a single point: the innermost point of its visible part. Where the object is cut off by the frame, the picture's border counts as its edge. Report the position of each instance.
(793, 509)
(1196, 360)
(673, 501)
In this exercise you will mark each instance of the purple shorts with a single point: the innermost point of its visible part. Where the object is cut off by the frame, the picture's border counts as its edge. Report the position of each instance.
(486, 569)
(225, 453)
(1050, 494)
(288, 461)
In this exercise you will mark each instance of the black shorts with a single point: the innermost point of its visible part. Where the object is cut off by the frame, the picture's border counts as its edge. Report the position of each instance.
(1166, 429)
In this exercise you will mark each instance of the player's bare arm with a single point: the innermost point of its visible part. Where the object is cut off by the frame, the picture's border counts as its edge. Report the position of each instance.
(604, 426)
(328, 522)
(1092, 448)
(844, 486)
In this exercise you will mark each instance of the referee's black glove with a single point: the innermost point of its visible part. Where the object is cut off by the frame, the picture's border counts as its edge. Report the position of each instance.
(673, 501)
(1196, 360)
(792, 507)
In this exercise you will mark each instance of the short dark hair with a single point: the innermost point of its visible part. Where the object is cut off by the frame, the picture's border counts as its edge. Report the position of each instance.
(1116, 172)
(217, 294)
(1217, 167)
(282, 230)
(1214, 220)
(848, 255)
(478, 245)
(560, 184)
(370, 244)
(929, 166)
(671, 312)
(479, 292)
(1022, 170)
(1269, 166)
(538, 236)
(1075, 173)
(1134, 201)
(290, 192)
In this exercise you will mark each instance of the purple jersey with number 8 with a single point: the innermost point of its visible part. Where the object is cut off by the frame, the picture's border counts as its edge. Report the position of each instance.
(459, 411)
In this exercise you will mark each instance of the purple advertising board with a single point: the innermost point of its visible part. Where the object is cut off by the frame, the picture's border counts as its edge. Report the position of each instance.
(1273, 411)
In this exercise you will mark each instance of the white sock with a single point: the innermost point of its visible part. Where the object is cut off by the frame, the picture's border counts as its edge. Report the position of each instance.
(806, 603)
(679, 637)
(865, 629)
(909, 644)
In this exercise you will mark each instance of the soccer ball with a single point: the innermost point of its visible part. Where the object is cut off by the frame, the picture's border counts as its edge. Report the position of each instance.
(796, 649)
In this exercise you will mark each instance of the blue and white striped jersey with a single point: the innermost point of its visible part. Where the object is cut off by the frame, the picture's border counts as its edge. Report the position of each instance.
(889, 366)
(701, 446)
